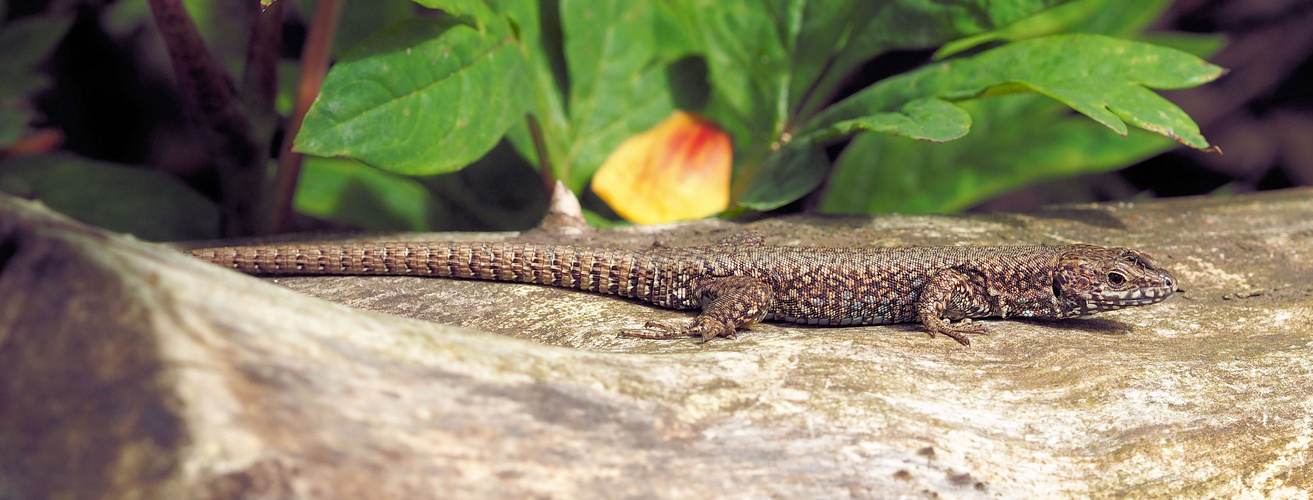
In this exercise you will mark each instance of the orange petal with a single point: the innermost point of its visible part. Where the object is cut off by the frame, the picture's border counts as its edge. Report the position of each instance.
(677, 170)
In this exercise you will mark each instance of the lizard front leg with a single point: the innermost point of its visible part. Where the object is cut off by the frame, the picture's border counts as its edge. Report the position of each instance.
(729, 304)
(953, 293)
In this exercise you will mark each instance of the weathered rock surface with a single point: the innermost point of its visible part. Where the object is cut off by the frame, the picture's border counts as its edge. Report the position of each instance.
(128, 370)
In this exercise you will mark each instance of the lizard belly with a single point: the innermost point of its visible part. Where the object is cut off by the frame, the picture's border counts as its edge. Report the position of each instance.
(843, 313)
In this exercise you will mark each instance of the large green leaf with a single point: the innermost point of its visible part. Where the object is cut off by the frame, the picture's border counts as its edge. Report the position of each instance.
(1104, 78)
(349, 191)
(497, 192)
(421, 97)
(838, 36)
(151, 205)
(598, 78)
(26, 41)
(773, 63)
(799, 167)
(476, 10)
(1015, 140)
(539, 33)
(1101, 77)
(747, 61)
(1115, 18)
(929, 119)
(617, 86)
(787, 175)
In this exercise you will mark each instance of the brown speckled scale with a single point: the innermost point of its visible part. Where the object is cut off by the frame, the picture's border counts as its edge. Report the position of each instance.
(744, 281)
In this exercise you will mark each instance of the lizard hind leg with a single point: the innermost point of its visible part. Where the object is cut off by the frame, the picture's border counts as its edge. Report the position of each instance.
(729, 304)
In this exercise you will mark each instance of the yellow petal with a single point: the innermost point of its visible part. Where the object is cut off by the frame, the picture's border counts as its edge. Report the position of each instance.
(677, 170)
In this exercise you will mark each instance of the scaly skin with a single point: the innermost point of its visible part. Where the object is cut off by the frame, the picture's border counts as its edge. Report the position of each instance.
(744, 281)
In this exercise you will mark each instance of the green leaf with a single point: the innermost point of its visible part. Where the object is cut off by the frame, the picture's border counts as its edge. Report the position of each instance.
(13, 122)
(475, 10)
(925, 119)
(1115, 18)
(1015, 140)
(498, 192)
(1200, 45)
(150, 205)
(827, 28)
(617, 86)
(597, 77)
(361, 20)
(540, 39)
(839, 36)
(422, 97)
(790, 173)
(748, 66)
(1104, 78)
(348, 191)
(773, 63)
(27, 41)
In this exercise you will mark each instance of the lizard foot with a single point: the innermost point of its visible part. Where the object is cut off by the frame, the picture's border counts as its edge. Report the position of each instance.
(655, 331)
(956, 331)
(703, 327)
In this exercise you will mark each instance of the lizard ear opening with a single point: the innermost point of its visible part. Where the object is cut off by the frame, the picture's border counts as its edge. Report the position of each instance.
(1057, 289)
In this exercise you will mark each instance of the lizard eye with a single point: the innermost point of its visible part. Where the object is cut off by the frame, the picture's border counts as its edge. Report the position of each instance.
(1116, 278)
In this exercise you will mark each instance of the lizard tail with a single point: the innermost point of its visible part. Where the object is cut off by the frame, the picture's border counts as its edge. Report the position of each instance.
(611, 271)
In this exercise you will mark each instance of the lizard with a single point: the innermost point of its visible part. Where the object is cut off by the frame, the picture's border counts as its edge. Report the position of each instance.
(742, 280)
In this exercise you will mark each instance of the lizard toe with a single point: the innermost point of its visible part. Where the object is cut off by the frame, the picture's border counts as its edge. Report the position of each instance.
(654, 331)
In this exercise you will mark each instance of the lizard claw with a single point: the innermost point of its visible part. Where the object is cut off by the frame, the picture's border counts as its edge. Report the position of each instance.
(666, 332)
(956, 331)
(703, 327)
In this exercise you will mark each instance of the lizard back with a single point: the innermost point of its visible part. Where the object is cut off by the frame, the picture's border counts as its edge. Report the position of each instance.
(807, 285)
(857, 285)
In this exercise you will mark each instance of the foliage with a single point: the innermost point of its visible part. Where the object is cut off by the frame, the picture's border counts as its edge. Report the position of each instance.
(562, 84)
(617, 68)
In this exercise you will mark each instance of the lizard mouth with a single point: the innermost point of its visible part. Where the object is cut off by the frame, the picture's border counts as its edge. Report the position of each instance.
(1110, 300)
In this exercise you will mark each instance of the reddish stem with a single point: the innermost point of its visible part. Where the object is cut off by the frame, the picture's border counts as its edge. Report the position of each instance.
(314, 65)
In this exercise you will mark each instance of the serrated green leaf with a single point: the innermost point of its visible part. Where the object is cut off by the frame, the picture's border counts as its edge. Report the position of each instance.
(13, 122)
(924, 119)
(773, 63)
(1115, 18)
(1200, 45)
(862, 30)
(27, 41)
(1014, 141)
(422, 97)
(1104, 78)
(151, 205)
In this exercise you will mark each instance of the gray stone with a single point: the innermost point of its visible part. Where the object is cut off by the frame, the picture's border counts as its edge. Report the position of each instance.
(128, 370)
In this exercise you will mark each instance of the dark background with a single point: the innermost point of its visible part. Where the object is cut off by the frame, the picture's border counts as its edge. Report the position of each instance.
(114, 100)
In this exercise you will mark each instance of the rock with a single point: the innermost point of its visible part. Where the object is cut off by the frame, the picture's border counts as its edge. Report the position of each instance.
(129, 370)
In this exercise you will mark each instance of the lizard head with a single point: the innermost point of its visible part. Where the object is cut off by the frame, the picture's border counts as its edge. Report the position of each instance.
(1090, 279)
